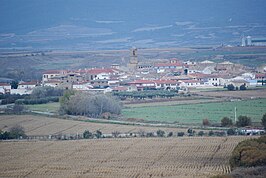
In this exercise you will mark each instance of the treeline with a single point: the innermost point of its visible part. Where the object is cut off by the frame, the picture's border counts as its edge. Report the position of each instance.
(146, 94)
(39, 95)
(38, 100)
(88, 104)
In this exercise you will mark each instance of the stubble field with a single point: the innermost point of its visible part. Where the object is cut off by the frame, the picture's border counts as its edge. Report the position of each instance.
(133, 157)
(41, 125)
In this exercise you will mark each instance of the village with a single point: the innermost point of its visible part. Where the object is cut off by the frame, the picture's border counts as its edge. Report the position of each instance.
(163, 74)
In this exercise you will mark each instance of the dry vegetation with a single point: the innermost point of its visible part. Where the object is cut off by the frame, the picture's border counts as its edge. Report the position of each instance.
(134, 157)
(40, 125)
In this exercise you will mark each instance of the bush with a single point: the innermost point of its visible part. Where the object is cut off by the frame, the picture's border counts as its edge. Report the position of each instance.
(243, 121)
(230, 87)
(170, 134)
(46, 91)
(263, 121)
(231, 132)
(243, 87)
(211, 133)
(87, 134)
(160, 133)
(180, 134)
(201, 133)
(226, 122)
(15, 132)
(249, 153)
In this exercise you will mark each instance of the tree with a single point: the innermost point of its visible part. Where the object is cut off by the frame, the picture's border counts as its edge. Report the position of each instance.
(160, 133)
(249, 153)
(180, 134)
(211, 133)
(98, 134)
(231, 132)
(89, 104)
(263, 121)
(170, 134)
(226, 122)
(243, 121)
(87, 134)
(201, 133)
(46, 91)
(16, 132)
(243, 87)
(230, 87)
(205, 122)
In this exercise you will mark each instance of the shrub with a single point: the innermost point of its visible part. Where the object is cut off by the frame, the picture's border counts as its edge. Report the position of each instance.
(243, 121)
(249, 153)
(231, 132)
(226, 122)
(170, 134)
(263, 121)
(211, 133)
(243, 87)
(201, 133)
(180, 134)
(230, 87)
(160, 133)
(87, 134)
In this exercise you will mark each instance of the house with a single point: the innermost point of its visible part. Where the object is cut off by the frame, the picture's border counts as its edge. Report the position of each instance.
(52, 83)
(261, 78)
(83, 86)
(5, 88)
(100, 74)
(166, 84)
(190, 83)
(100, 83)
(124, 88)
(142, 84)
(27, 85)
(69, 79)
(49, 74)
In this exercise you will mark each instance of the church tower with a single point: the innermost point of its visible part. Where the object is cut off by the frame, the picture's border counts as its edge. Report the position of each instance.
(133, 62)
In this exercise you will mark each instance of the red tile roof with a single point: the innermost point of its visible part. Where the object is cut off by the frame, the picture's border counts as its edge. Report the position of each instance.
(142, 82)
(260, 75)
(28, 83)
(190, 81)
(165, 82)
(4, 84)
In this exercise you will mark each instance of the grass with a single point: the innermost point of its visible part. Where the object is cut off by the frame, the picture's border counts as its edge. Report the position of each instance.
(49, 107)
(194, 113)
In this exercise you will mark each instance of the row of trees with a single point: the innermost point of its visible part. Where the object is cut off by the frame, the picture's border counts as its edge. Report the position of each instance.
(87, 104)
(231, 87)
(242, 121)
(146, 94)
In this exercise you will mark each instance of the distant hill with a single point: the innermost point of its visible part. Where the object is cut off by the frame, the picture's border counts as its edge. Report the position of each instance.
(120, 24)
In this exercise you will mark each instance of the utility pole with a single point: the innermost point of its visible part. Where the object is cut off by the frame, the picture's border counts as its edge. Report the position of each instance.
(235, 114)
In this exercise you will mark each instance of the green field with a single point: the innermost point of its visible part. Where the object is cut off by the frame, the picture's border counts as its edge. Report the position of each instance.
(194, 113)
(49, 107)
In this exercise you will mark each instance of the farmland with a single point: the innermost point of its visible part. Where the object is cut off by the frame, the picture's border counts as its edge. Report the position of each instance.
(134, 157)
(194, 113)
(41, 125)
